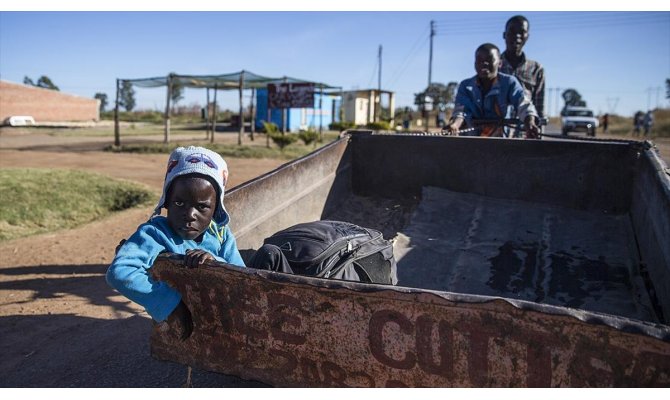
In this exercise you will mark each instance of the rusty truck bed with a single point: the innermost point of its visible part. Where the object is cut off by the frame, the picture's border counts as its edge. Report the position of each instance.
(520, 263)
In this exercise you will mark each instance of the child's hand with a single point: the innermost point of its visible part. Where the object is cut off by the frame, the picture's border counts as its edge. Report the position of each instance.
(180, 321)
(194, 258)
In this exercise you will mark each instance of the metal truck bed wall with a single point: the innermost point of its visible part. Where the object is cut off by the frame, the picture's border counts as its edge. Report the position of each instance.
(521, 263)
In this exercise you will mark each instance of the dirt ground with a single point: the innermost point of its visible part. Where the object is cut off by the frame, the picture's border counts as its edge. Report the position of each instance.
(61, 325)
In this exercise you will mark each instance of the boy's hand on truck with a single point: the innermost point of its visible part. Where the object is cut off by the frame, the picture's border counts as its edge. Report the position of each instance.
(532, 130)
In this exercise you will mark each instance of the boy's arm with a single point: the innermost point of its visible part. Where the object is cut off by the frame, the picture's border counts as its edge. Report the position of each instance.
(129, 274)
(520, 100)
(524, 107)
(229, 251)
(538, 100)
(461, 104)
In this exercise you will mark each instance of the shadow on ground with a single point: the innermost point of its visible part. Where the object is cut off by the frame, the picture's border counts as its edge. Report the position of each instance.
(67, 350)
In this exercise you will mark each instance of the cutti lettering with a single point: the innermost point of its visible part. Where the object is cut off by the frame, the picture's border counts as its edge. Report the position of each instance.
(281, 318)
(377, 322)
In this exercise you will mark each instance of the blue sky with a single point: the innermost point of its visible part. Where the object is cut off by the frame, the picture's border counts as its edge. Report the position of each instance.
(617, 61)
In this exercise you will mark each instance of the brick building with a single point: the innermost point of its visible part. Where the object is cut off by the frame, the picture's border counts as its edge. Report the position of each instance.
(45, 105)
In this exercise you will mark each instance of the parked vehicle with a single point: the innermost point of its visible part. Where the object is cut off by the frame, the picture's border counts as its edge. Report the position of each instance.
(508, 274)
(578, 119)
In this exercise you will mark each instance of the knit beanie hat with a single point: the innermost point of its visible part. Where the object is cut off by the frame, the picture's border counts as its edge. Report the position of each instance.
(197, 160)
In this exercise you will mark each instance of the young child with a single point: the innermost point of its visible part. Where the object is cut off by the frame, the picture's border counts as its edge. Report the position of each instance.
(489, 94)
(195, 226)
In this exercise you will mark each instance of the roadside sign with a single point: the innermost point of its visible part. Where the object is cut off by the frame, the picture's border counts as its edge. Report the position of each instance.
(291, 95)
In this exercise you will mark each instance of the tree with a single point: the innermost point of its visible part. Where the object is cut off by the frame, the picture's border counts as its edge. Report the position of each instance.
(127, 96)
(439, 94)
(572, 98)
(44, 82)
(177, 91)
(667, 88)
(103, 100)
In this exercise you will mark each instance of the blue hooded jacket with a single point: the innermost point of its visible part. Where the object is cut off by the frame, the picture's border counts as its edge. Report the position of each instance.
(129, 272)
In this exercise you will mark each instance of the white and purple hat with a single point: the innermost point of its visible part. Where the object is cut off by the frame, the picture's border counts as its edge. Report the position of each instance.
(197, 160)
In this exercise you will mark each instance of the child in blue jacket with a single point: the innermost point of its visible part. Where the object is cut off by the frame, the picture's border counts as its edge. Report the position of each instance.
(195, 226)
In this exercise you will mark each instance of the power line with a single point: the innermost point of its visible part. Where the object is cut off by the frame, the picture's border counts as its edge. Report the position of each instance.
(545, 23)
(374, 72)
(421, 41)
(562, 19)
(612, 108)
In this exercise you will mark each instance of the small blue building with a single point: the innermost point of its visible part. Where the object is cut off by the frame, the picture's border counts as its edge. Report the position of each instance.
(322, 115)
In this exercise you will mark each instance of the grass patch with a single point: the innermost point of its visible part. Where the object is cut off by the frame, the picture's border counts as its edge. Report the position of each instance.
(259, 150)
(39, 200)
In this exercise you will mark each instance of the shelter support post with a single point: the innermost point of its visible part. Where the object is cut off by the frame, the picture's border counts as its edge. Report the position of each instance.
(284, 116)
(241, 132)
(211, 139)
(253, 113)
(321, 115)
(371, 107)
(117, 134)
(166, 139)
(269, 119)
(208, 116)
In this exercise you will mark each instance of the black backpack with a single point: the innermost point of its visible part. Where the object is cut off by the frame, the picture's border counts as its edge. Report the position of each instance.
(337, 250)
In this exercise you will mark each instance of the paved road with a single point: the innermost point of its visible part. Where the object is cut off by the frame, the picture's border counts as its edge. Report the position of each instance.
(662, 144)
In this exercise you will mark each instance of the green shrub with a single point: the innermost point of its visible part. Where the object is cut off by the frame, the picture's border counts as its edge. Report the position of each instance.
(282, 140)
(270, 127)
(308, 137)
(341, 126)
(379, 126)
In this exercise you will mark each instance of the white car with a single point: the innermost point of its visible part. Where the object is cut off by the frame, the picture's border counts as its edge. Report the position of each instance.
(578, 119)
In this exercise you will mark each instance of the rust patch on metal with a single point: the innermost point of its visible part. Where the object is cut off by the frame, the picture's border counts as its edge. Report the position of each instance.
(301, 332)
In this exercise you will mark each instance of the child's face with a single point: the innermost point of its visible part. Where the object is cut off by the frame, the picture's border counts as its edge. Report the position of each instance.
(487, 63)
(191, 204)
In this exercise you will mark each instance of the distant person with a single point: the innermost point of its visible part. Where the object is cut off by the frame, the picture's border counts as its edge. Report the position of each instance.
(638, 120)
(514, 62)
(196, 226)
(407, 118)
(489, 94)
(648, 122)
(441, 118)
(605, 122)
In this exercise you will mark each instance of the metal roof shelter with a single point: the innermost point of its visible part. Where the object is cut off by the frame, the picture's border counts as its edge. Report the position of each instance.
(236, 80)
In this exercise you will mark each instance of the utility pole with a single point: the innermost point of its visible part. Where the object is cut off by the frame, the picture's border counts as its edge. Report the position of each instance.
(378, 97)
(379, 77)
(550, 90)
(649, 89)
(166, 136)
(117, 135)
(430, 54)
(558, 93)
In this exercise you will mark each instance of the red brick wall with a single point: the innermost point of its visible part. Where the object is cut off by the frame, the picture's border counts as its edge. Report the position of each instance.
(45, 105)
